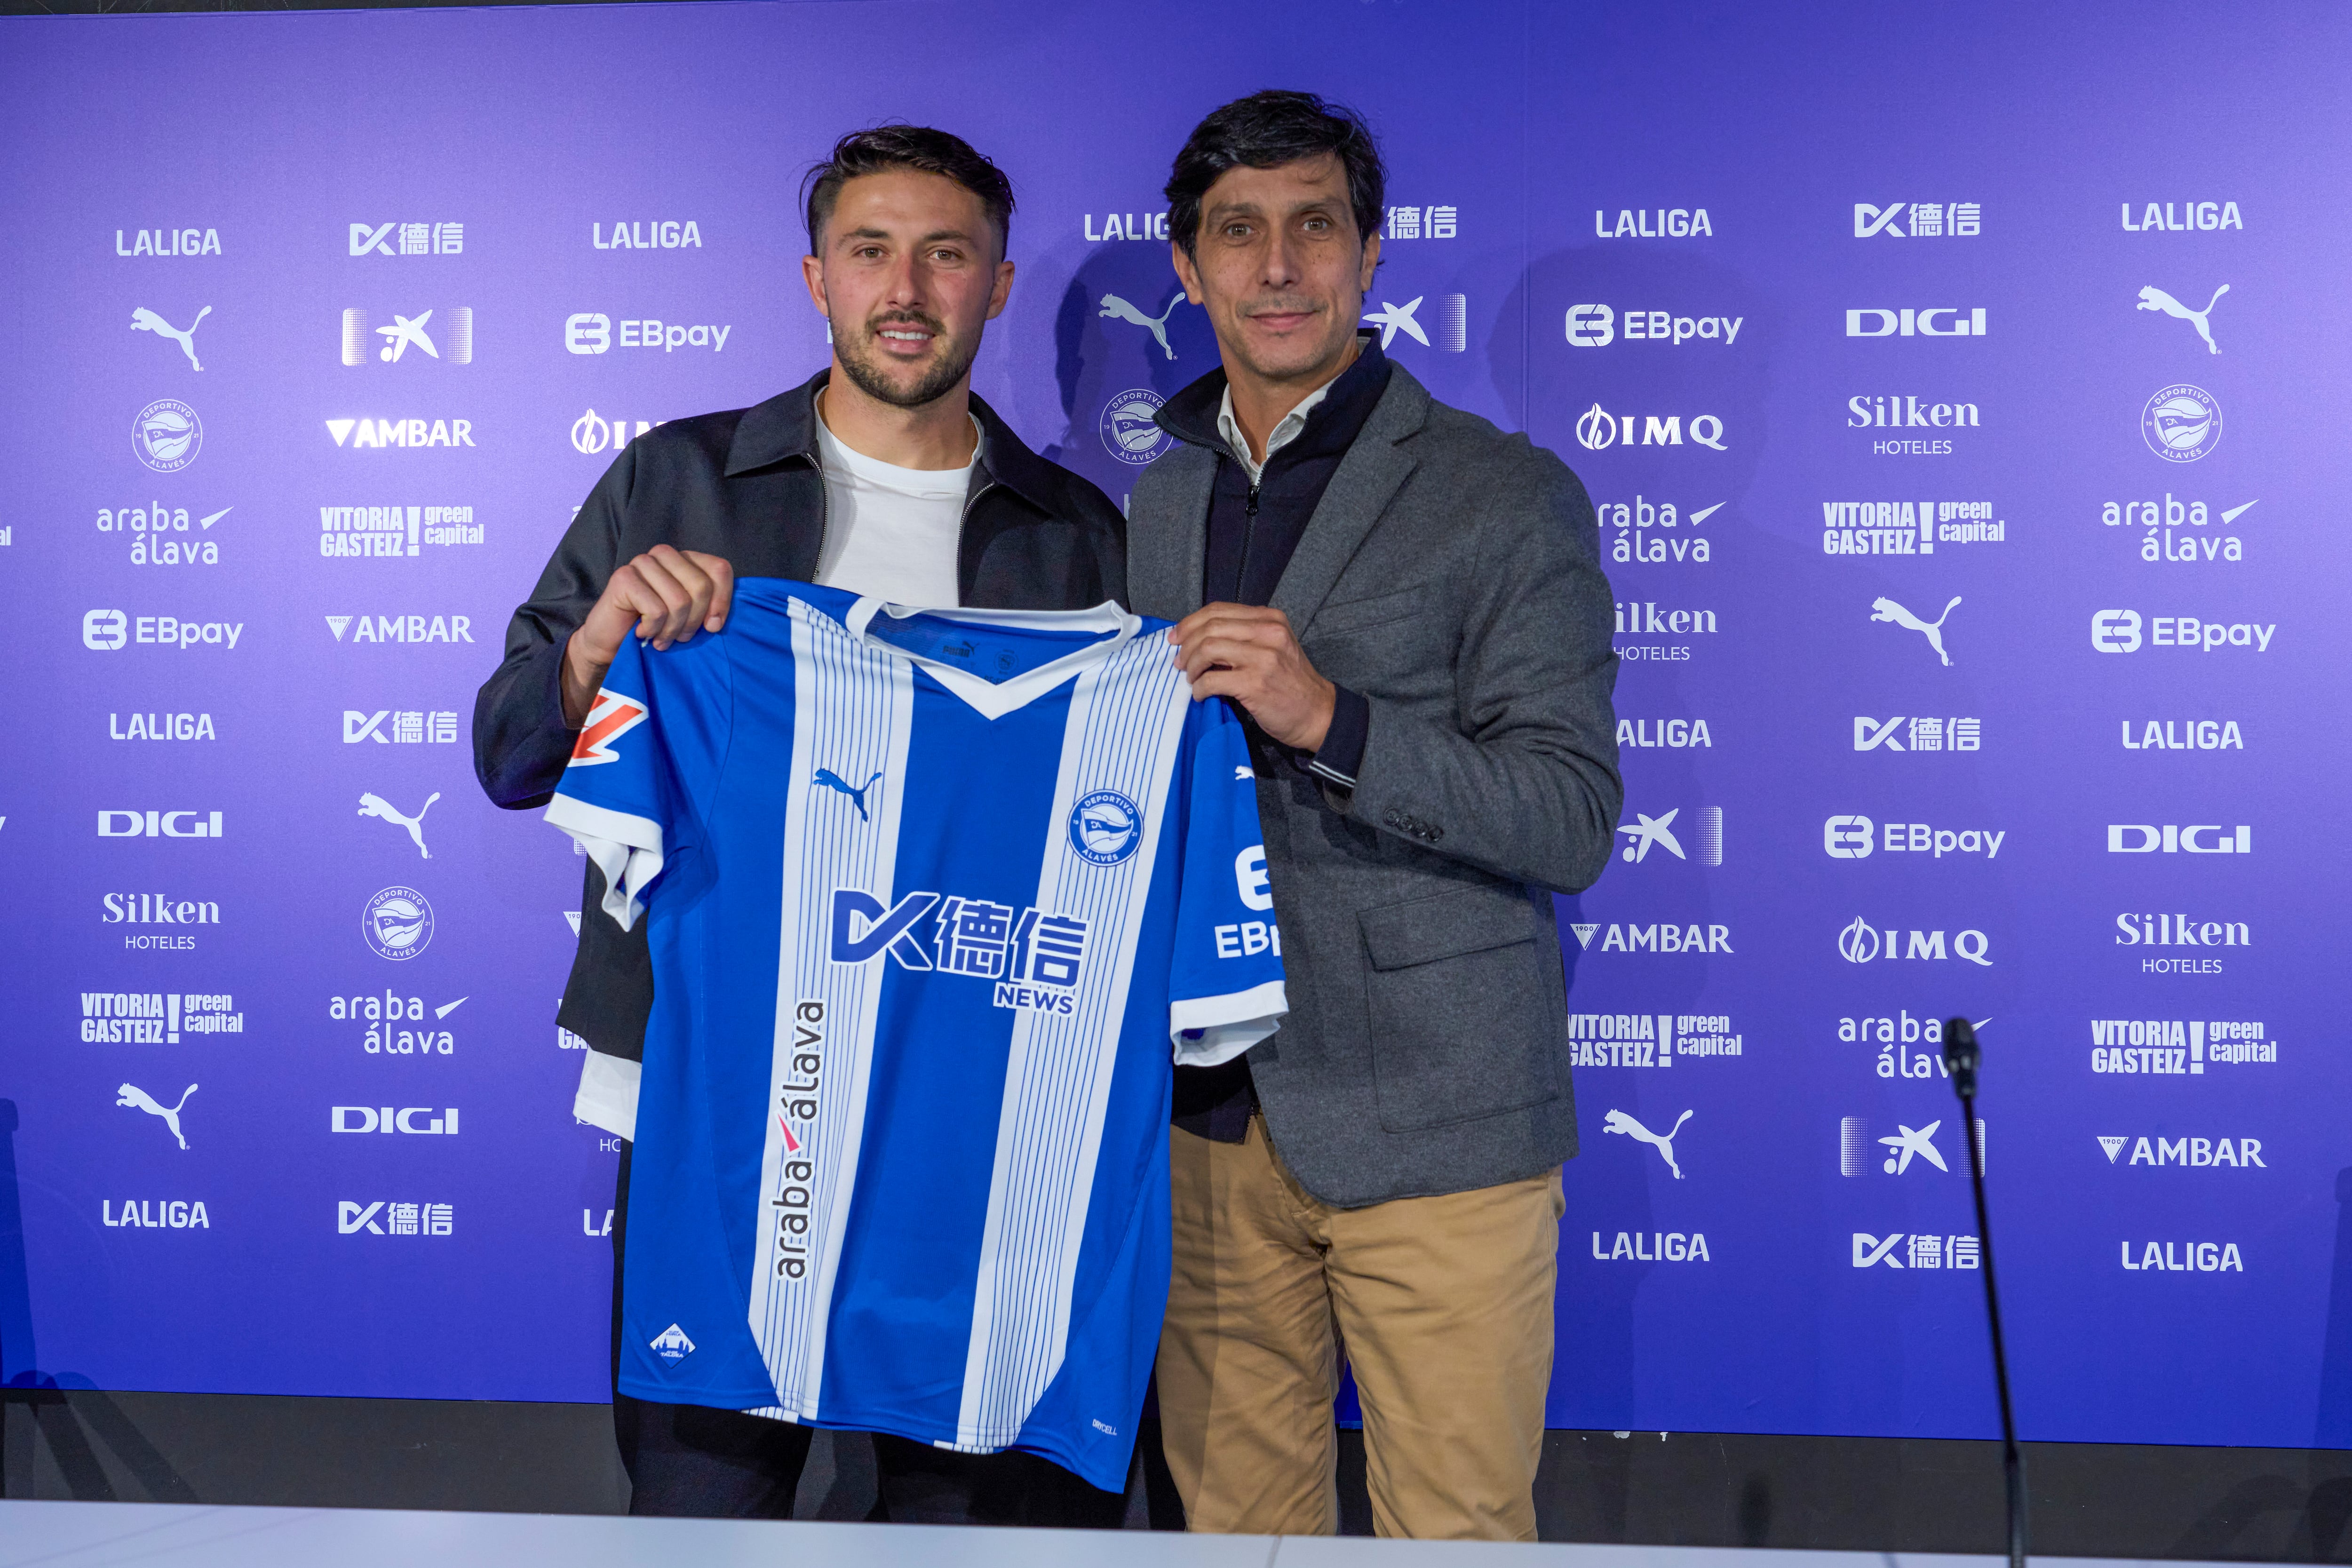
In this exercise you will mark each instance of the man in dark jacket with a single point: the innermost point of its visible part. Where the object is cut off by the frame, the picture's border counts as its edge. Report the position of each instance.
(882, 475)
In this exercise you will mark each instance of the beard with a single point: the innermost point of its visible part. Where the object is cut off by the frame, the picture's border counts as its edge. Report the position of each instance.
(866, 369)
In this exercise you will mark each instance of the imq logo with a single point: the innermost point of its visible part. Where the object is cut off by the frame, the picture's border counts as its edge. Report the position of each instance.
(1598, 430)
(2118, 631)
(1862, 942)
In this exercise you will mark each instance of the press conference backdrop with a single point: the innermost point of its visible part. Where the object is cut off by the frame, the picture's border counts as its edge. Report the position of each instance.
(1962, 391)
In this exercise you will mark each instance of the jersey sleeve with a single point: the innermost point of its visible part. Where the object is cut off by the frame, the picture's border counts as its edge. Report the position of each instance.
(1226, 987)
(626, 794)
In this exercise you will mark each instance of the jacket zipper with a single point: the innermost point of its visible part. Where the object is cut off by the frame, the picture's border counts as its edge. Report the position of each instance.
(1249, 538)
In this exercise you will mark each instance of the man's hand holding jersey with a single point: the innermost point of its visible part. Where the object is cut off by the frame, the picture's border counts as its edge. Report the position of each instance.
(1249, 653)
(664, 596)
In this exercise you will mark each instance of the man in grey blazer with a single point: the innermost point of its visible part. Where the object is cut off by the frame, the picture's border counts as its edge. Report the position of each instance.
(1407, 604)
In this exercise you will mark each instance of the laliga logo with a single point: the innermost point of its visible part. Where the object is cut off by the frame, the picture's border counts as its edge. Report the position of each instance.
(2181, 422)
(1598, 429)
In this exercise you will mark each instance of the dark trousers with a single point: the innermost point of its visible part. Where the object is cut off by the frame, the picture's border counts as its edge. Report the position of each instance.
(694, 1461)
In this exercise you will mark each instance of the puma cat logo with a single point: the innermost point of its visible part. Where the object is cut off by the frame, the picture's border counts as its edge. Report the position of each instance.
(143, 320)
(1113, 306)
(2155, 298)
(376, 805)
(1618, 1122)
(131, 1094)
(856, 794)
(1888, 610)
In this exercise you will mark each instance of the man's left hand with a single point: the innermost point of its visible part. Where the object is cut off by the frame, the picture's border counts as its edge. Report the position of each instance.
(1249, 654)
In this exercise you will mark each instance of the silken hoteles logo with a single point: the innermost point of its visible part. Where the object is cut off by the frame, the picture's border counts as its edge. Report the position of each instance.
(455, 323)
(166, 436)
(1899, 1250)
(2170, 839)
(397, 923)
(1856, 837)
(1648, 1039)
(2162, 217)
(111, 631)
(387, 1217)
(649, 234)
(1918, 220)
(151, 908)
(1597, 430)
(2176, 928)
(1115, 309)
(1452, 324)
(159, 823)
(2152, 298)
(1598, 326)
(1642, 618)
(590, 332)
(2179, 1047)
(1905, 411)
(1706, 827)
(1897, 1151)
(143, 320)
(410, 629)
(2118, 631)
(414, 1119)
(1667, 936)
(2187, 1154)
(152, 528)
(155, 1017)
(393, 533)
(1653, 222)
(1677, 734)
(384, 1016)
(1641, 535)
(2185, 1257)
(1127, 427)
(593, 432)
(1906, 527)
(1890, 612)
(408, 434)
(1863, 942)
(167, 242)
(1919, 733)
(410, 238)
(1664, 1142)
(375, 806)
(1914, 322)
(401, 726)
(2181, 422)
(1441, 222)
(137, 1099)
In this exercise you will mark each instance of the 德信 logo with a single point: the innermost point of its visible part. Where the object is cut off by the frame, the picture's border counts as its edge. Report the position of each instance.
(397, 923)
(1105, 827)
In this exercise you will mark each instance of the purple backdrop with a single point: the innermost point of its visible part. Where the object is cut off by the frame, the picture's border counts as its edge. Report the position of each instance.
(1799, 294)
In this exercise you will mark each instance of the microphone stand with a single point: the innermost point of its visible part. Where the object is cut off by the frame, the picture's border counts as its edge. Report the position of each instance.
(1961, 1058)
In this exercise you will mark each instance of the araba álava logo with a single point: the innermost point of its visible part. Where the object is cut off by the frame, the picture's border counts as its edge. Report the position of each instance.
(1597, 429)
(2181, 422)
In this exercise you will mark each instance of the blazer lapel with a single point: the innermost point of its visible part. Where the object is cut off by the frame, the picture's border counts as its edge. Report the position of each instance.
(1167, 537)
(1368, 478)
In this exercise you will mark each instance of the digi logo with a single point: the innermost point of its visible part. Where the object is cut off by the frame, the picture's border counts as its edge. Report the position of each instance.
(613, 717)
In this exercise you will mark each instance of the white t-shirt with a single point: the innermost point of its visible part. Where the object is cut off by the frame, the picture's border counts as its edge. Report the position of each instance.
(890, 531)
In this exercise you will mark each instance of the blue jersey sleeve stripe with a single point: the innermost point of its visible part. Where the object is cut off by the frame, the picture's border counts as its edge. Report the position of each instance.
(1207, 1031)
(627, 848)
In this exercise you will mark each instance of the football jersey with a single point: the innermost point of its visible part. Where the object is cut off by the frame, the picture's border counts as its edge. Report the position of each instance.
(935, 901)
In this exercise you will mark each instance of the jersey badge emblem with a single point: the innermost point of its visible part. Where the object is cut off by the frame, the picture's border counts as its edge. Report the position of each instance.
(1105, 827)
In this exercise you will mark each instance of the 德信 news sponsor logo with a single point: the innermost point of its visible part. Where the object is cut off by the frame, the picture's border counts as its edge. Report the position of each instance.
(2118, 631)
(2189, 1154)
(1442, 222)
(1676, 733)
(397, 923)
(1665, 937)
(1916, 320)
(168, 242)
(166, 435)
(2192, 1257)
(2192, 734)
(1597, 430)
(160, 727)
(2201, 839)
(1634, 540)
(400, 726)
(1653, 222)
(386, 1217)
(1902, 1251)
(2176, 1048)
(455, 323)
(1894, 1035)
(356, 532)
(354, 434)
(1598, 326)
(2159, 543)
(1863, 942)
(2156, 217)
(590, 332)
(1856, 838)
(653, 234)
(2181, 422)
(1644, 619)
(156, 1017)
(398, 238)
(414, 1119)
(1906, 527)
(384, 1016)
(1897, 1150)
(111, 631)
(1923, 734)
(159, 825)
(1654, 1246)
(402, 629)
(1648, 1039)
(1926, 220)
(150, 528)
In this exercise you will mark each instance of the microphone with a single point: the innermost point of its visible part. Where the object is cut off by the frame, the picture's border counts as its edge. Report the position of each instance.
(1961, 1059)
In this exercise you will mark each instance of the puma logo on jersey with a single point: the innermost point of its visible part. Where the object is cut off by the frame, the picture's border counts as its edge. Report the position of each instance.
(613, 717)
(856, 793)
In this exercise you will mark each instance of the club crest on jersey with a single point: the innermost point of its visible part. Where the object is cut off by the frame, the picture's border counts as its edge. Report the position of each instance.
(672, 1345)
(613, 717)
(1105, 827)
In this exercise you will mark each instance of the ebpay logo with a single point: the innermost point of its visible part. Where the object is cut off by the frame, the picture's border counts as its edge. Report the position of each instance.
(2118, 631)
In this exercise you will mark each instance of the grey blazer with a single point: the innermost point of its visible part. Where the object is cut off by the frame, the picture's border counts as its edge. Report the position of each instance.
(1452, 574)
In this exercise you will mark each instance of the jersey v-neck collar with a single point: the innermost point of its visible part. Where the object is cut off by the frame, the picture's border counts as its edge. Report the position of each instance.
(990, 699)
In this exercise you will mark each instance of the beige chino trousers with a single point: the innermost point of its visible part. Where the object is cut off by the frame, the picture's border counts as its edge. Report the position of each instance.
(1442, 1305)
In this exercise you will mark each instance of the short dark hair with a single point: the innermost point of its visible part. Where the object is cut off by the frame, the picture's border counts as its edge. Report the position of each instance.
(1265, 131)
(898, 145)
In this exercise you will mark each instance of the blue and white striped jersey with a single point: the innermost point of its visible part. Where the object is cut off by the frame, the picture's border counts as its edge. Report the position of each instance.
(935, 898)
